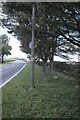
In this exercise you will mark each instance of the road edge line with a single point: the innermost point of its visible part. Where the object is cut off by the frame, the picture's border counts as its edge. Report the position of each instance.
(12, 77)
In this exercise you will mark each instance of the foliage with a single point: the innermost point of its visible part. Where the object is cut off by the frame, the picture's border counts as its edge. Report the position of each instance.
(67, 16)
(5, 47)
(71, 69)
(56, 27)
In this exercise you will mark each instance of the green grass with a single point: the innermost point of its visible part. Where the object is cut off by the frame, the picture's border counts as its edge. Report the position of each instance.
(54, 96)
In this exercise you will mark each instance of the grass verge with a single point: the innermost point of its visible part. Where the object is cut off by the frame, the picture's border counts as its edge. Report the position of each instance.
(54, 96)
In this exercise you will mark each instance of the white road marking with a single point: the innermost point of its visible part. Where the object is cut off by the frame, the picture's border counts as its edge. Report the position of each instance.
(12, 77)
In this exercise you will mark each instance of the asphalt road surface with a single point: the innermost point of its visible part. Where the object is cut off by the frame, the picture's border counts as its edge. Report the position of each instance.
(8, 71)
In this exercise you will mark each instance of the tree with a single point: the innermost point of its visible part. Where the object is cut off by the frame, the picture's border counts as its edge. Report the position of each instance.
(56, 26)
(49, 36)
(5, 47)
(67, 17)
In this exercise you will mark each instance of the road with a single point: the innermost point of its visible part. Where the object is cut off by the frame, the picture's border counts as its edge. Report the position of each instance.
(8, 71)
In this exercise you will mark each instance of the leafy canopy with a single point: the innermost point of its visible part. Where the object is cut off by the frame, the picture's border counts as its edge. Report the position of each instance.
(57, 27)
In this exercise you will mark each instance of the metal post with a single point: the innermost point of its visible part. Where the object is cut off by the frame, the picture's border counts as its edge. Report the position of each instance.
(32, 48)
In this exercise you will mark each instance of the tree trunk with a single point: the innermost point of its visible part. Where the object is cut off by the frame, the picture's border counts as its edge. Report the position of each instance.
(45, 67)
(2, 58)
(51, 64)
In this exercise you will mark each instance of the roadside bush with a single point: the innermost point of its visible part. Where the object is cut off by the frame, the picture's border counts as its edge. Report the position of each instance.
(66, 68)
(70, 69)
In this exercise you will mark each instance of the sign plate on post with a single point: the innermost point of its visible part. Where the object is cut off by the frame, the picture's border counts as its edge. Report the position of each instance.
(30, 45)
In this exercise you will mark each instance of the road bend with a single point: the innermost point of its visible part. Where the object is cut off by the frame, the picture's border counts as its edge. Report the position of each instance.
(8, 71)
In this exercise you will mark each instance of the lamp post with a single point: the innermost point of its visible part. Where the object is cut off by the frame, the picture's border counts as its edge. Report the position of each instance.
(32, 47)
